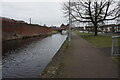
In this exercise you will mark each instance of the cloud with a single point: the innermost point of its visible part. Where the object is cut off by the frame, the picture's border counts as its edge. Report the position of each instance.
(33, 0)
(49, 13)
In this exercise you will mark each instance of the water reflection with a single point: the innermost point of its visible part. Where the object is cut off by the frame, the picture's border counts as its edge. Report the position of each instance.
(31, 57)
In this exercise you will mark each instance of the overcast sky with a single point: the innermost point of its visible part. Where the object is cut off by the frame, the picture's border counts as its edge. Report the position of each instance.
(41, 12)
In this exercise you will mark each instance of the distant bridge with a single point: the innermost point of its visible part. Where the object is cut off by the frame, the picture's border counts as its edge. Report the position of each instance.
(59, 29)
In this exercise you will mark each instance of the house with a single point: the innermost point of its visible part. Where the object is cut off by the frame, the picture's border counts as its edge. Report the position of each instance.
(111, 28)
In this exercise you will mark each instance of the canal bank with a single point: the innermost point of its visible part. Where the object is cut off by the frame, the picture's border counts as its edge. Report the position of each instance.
(14, 29)
(55, 63)
(17, 36)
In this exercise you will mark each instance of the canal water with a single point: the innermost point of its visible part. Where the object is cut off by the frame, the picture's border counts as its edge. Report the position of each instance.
(27, 58)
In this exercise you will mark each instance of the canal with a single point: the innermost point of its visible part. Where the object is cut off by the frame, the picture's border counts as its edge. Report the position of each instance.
(27, 58)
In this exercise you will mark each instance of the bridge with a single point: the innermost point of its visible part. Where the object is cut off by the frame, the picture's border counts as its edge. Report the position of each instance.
(59, 29)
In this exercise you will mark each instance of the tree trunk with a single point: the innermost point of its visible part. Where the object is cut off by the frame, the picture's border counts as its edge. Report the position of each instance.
(95, 30)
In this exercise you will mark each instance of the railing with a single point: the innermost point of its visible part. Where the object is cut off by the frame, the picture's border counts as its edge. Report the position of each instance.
(115, 46)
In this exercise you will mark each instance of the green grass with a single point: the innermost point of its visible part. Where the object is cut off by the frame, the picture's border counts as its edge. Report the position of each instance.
(98, 41)
(101, 41)
(53, 31)
(116, 59)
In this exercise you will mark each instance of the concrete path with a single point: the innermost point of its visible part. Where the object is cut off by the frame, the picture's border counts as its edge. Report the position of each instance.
(83, 60)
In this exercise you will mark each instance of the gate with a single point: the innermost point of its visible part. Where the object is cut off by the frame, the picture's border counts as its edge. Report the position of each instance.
(115, 46)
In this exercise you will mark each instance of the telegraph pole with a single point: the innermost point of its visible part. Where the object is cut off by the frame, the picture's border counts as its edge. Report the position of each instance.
(30, 20)
(69, 36)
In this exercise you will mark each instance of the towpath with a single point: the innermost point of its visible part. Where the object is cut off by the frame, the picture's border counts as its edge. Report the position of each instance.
(83, 60)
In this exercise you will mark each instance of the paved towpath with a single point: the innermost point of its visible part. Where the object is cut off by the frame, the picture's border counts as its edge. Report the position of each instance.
(83, 60)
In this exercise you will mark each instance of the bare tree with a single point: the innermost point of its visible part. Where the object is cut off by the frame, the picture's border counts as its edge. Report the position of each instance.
(118, 19)
(95, 12)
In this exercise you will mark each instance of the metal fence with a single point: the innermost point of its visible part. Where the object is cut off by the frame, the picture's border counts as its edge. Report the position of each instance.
(115, 46)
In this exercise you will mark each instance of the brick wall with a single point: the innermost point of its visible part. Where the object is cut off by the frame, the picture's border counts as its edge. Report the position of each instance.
(13, 30)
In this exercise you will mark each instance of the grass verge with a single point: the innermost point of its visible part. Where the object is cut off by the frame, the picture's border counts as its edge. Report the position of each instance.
(98, 41)
(54, 32)
(101, 41)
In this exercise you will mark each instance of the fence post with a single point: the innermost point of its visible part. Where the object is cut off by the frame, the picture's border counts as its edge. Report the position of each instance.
(115, 50)
(119, 46)
(112, 52)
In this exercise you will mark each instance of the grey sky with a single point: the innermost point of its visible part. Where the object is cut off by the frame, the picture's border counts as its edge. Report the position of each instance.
(49, 13)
